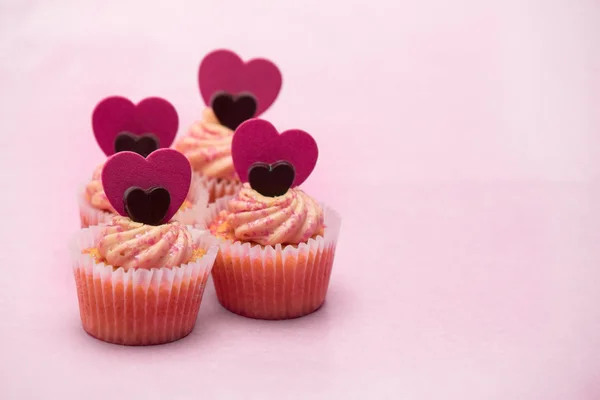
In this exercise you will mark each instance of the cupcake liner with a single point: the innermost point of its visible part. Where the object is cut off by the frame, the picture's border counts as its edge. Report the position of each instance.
(274, 282)
(138, 306)
(198, 196)
(218, 188)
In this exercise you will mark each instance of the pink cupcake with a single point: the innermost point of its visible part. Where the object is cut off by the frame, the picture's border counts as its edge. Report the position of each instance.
(276, 243)
(119, 125)
(141, 277)
(233, 91)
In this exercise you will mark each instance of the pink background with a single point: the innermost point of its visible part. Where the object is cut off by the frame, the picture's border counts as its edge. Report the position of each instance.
(459, 140)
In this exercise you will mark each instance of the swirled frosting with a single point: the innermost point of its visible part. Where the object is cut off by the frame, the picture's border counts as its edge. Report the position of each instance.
(95, 192)
(208, 147)
(129, 244)
(289, 219)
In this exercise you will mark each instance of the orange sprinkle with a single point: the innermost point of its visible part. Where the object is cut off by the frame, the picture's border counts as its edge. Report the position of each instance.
(93, 251)
(185, 205)
(197, 254)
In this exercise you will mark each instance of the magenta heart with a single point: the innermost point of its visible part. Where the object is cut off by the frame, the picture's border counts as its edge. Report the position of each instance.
(257, 141)
(166, 168)
(223, 70)
(115, 115)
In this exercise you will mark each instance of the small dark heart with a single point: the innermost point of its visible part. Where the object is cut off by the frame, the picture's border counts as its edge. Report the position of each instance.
(271, 180)
(232, 110)
(141, 144)
(147, 206)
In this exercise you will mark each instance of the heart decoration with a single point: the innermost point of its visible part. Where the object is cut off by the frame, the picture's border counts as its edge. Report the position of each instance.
(225, 71)
(257, 141)
(135, 186)
(116, 121)
(141, 144)
(231, 110)
(147, 206)
(271, 180)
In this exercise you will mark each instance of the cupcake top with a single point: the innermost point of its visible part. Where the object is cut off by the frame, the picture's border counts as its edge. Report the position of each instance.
(129, 244)
(97, 198)
(291, 218)
(120, 125)
(146, 192)
(270, 209)
(233, 91)
(207, 146)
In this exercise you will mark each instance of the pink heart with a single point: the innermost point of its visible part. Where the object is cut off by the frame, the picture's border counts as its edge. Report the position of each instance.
(223, 70)
(165, 168)
(257, 140)
(114, 115)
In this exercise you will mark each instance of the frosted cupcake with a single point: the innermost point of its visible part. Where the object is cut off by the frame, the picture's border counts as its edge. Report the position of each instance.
(233, 91)
(119, 125)
(276, 243)
(140, 278)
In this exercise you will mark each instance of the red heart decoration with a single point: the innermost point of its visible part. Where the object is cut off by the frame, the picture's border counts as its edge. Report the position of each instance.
(257, 141)
(166, 168)
(115, 115)
(225, 71)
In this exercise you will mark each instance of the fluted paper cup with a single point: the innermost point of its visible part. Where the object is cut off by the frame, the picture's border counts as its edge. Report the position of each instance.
(273, 282)
(198, 196)
(219, 188)
(138, 306)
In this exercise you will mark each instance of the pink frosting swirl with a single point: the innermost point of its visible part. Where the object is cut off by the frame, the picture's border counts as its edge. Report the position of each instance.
(129, 244)
(208, 147)
(95, 192)
(289, 219)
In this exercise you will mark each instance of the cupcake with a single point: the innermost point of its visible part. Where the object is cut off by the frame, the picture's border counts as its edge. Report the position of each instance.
(233, 91)
(119, 125)
(140, 278)
(276, 243)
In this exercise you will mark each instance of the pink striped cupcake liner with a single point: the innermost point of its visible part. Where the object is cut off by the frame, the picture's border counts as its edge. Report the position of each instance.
(274, 282)
(138, 307)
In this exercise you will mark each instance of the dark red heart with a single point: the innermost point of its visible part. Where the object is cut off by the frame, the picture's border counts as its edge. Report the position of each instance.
(165, 168)
(257, 140)
(148, 206)
(271, 180)
(141, 144)
(231, 110)
(115, 115)
(224, 70)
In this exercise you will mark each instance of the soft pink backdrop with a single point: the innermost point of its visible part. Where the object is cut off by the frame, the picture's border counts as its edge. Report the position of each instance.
(459, 140)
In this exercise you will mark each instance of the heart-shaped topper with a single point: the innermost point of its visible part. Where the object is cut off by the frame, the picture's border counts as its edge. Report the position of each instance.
(271, 180)
(149, 206)
(223, 71)
(120, 125)
(258, 150)
(232, 110)
(135, 186)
